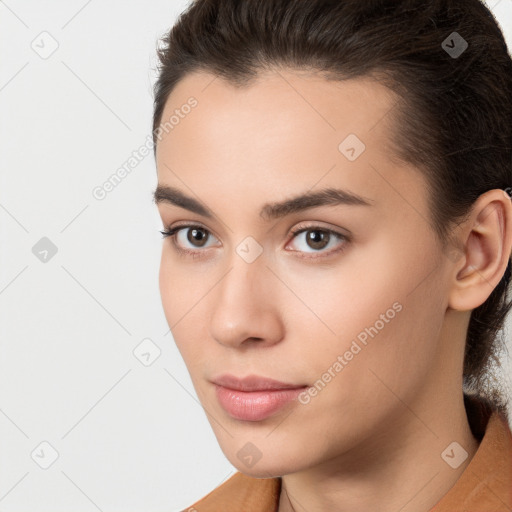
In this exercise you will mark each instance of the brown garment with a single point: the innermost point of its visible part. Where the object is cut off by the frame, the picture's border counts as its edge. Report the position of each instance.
(484, 486)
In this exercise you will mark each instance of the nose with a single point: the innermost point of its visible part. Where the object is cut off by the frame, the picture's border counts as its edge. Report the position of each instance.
(246, 306)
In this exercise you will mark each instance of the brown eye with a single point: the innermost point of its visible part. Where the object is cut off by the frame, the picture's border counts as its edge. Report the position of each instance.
(197, 235)
(317, 239)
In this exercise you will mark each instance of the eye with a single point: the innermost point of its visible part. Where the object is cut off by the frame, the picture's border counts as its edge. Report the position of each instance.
(318, 238)
(194, 234)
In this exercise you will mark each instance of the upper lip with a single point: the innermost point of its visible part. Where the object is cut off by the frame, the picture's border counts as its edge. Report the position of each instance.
(252, 383)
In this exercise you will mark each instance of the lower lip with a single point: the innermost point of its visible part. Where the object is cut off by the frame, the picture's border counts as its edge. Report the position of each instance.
(255, 405)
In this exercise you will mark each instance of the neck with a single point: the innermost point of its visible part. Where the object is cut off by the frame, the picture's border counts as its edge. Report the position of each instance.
(399, 468)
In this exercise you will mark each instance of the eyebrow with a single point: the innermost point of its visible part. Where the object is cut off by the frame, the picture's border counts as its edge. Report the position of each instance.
(327, 196)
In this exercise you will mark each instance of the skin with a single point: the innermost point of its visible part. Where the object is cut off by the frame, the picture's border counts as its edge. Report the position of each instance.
(372, 438)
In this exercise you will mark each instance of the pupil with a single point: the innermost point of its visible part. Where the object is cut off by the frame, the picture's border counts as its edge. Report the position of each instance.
(196, 232)
(319, 242)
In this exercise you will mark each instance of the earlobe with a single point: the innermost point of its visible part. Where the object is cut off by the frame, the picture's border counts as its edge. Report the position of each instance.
(487, 250)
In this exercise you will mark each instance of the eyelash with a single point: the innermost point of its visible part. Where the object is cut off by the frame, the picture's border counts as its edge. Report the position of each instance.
(171, 233)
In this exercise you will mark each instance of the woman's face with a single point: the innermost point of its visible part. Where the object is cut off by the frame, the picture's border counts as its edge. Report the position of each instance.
(357, 316)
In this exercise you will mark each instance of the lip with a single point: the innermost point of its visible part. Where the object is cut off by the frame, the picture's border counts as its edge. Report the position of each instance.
(254, 398)
(253, 383)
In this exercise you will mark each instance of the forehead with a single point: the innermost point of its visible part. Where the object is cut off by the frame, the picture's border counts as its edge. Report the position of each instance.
(285, 131)
(280, 103)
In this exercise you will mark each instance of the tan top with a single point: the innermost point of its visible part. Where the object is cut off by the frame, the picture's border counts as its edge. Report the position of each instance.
(484, 486)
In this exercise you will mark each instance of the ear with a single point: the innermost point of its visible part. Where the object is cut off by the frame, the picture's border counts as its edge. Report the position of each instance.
(486, 243)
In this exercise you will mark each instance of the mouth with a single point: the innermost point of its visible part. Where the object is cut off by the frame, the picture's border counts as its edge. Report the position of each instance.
(254, 398)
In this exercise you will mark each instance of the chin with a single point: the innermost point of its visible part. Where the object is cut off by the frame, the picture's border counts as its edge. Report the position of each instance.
(272, 466)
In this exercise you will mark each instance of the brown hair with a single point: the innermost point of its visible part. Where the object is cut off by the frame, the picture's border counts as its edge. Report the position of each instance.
(453, 120)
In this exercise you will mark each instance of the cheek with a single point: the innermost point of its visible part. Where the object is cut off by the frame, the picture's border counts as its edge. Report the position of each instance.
(177, 289)
(335, 304)
(375, 317)
(181, 301)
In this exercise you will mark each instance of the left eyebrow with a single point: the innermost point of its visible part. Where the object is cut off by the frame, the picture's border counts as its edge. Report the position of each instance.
(269, 211)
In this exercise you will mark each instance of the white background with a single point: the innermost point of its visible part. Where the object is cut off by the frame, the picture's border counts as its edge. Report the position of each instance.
(128, 436)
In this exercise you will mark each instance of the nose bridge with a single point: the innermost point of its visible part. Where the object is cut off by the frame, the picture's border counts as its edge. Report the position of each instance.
(247, 273)
(243, 306)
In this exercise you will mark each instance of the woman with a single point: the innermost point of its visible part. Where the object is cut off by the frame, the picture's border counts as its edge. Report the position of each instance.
(333, 180)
